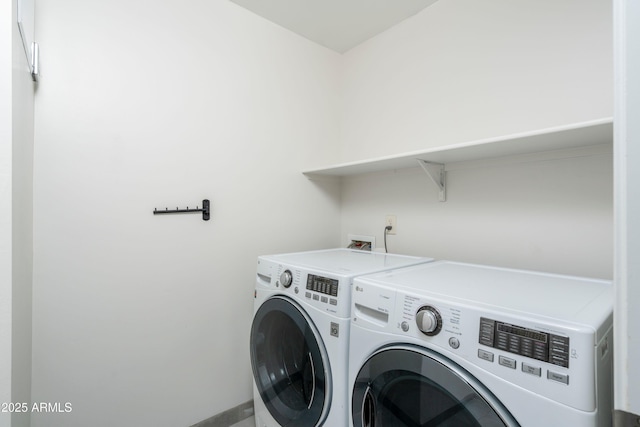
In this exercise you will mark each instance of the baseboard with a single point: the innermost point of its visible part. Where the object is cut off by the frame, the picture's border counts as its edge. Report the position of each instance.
(228, 417)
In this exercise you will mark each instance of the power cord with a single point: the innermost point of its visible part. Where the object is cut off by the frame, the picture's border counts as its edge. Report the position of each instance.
(386, 230)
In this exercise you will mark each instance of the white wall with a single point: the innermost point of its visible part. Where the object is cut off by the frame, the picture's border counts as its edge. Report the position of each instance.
(627, 209)
(22, 225)
(463, 70)
(5, 206)
(543, 214)
(16, 195)
(142, 319)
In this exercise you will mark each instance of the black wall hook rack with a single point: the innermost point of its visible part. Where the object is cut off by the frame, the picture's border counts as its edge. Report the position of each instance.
(204, 210)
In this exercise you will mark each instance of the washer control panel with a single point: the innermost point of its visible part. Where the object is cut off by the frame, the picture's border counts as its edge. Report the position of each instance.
(323, 285)
(320, 291)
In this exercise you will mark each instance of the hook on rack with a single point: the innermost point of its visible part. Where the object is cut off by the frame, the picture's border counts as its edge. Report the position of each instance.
(205, 210)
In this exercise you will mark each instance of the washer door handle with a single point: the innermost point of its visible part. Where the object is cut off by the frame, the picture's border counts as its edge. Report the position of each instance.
(368, 408)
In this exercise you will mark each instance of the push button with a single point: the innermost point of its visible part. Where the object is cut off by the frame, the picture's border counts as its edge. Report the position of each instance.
(508, 362)
(533, 370)
(561, 378)
(485, 355)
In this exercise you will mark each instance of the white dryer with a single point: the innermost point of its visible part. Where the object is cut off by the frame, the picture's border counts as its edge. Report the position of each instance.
(456, 345)
(300, 333)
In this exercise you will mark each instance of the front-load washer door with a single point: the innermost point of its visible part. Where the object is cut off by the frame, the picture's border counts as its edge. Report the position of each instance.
(290, 365)
(407, 386)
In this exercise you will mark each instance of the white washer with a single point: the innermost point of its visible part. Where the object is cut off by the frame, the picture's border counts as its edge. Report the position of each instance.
(452, 344)
(300, 333)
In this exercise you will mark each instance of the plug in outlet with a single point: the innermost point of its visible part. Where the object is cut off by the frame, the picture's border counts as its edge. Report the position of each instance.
(391, 220)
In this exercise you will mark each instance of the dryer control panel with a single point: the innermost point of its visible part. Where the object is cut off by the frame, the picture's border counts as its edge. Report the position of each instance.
(523, 341)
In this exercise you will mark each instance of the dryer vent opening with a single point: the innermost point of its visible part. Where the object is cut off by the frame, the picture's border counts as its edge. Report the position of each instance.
(362, 243)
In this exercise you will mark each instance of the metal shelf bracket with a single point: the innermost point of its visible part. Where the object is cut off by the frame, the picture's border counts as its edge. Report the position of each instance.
(436, 172)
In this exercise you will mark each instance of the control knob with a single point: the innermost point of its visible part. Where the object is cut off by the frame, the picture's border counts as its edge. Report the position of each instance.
(286, 278)
(429, 320)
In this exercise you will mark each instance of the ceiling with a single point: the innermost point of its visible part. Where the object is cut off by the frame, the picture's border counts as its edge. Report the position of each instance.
(336, 24)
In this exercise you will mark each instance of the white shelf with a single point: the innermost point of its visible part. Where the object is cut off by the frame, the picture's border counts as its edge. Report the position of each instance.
(575, 135)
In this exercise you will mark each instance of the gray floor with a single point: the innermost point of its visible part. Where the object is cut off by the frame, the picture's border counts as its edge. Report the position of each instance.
(247, 422)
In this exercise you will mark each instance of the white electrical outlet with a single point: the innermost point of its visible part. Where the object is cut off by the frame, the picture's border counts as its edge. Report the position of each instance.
(391, 220)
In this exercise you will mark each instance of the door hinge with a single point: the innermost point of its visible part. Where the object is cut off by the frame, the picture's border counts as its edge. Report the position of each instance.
(625, 419)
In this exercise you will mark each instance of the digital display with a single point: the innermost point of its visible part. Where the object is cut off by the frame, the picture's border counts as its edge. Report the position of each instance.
(323, 285)
(522, 332)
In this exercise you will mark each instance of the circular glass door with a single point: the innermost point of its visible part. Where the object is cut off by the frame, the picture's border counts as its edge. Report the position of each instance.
(289, 364)
(403, 386)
